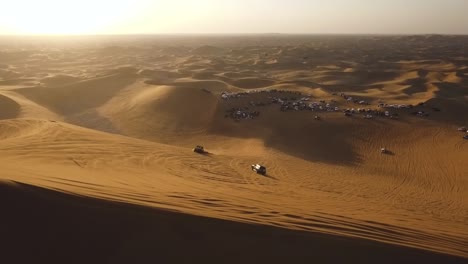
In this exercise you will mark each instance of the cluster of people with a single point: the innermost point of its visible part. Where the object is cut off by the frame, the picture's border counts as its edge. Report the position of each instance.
(381, 105)
(296, 101)
(304, 104)
(395, 106)
(353, 100)
(369, 113)
(419, 113)
(226, 95)
(241, 113)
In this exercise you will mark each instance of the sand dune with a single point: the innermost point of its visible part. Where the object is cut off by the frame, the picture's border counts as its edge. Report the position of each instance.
(58, 80)
(249, 83)
(122, 128)
(76, 97)
(207, 50)
(10, 109)
(24, 107)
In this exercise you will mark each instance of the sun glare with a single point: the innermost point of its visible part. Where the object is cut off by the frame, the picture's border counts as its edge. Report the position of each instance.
(65, 17)
(76, 17)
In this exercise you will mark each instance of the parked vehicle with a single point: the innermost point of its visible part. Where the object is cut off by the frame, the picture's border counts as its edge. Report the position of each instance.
(199, 149)
(259, 169)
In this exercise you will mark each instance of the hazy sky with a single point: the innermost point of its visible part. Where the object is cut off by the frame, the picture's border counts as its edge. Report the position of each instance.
(233, 16)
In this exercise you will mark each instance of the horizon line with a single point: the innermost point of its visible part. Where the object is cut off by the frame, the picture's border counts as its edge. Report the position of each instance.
(233, 34)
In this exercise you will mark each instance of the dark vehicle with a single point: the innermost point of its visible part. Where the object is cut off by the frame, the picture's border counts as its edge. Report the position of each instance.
(465, 136)
(259, 169)
(199, 149)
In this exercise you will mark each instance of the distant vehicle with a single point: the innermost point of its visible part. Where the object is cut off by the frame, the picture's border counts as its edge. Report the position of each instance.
(259, 169)
(465, 136)
(317, 117)
(383, 150)
(347, 114)
(462, 129)
(199, 149)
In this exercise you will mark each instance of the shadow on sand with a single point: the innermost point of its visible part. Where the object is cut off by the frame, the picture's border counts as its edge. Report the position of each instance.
(44, 226)
(270, 177)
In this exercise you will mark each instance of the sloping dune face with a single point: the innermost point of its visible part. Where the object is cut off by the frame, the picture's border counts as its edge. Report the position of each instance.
(79, 96)
(158, 112)
(247, 83)
(10, 109)
(358, 134)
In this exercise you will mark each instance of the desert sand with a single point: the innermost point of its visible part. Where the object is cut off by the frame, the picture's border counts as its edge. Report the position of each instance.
(96, 138)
